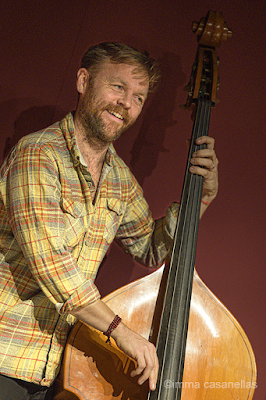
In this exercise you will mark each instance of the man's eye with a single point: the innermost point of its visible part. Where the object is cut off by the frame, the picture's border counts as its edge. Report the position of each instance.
(119, 87)
(139, 100)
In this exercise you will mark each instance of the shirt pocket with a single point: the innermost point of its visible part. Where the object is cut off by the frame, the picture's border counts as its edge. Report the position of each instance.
(114, 214)
(74, 214)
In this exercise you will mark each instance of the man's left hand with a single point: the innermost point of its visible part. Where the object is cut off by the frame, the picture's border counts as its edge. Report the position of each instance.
(205, 163)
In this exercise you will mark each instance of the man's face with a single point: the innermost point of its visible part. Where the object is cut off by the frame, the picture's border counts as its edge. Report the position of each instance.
(113, 100)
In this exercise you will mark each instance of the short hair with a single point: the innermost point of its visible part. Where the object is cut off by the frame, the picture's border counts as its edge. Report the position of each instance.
(118, 53)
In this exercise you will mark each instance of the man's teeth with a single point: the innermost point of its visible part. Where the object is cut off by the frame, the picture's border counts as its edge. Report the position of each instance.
(116, 114)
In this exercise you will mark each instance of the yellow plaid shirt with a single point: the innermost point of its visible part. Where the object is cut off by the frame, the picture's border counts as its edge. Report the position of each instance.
(53, 240)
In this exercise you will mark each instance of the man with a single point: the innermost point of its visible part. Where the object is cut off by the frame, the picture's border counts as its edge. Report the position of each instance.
(65, 196)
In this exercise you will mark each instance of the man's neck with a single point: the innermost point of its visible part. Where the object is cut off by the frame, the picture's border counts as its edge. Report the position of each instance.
(92, 150)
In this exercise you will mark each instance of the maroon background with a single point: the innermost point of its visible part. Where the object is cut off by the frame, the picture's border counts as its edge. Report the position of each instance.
(42, 42)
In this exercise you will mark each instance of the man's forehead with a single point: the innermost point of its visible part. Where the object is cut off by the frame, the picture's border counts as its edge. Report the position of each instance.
(122, 69)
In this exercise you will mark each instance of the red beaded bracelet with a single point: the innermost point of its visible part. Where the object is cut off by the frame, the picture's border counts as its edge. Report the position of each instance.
(116, 321)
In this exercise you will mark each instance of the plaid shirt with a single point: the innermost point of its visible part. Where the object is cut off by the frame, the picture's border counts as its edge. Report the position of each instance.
(53, 240)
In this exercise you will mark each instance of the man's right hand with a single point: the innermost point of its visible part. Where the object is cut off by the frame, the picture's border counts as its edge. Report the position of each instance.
(142, 351)
(99, 316)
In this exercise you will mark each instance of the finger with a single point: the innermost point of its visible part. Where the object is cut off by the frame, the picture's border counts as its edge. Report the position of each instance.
(141, 364)
(151, 370)
(203, 163)
(206, 173)
(147, 364)
(154, 375)
(209, 141)
(210, 153)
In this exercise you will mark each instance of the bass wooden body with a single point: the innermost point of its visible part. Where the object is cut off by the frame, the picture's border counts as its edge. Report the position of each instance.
(219, 363)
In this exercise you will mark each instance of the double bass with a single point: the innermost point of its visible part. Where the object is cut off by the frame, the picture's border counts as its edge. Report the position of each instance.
(203, 351)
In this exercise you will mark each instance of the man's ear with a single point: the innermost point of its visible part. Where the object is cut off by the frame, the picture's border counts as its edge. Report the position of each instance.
(82, 80)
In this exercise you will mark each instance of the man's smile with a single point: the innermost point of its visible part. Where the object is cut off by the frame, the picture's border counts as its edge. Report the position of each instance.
(116, 114)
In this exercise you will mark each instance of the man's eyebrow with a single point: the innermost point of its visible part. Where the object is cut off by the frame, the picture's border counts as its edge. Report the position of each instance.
(117, 79)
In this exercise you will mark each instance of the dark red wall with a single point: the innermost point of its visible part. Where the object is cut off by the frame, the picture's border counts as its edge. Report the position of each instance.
(41, 45)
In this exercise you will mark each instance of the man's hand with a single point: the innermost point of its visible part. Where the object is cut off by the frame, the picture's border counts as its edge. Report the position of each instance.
(205, 163)
(140, 350)
(99, 316)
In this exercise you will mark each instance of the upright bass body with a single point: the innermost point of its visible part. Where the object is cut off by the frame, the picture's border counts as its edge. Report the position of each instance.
(219, 362)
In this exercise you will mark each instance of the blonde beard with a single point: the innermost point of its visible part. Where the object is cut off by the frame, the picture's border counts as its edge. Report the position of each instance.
(94, 127)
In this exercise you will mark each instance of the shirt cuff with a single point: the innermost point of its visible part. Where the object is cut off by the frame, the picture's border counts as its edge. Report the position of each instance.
(87, 293)
(171, 218)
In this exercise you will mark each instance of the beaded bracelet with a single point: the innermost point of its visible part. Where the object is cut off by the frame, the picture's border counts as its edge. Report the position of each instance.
(116, 321)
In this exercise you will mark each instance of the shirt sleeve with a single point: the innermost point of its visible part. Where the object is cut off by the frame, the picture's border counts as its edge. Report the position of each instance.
(147, 240)
(38, 224)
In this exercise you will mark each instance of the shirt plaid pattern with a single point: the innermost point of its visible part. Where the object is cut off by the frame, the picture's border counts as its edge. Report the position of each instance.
(53, 240)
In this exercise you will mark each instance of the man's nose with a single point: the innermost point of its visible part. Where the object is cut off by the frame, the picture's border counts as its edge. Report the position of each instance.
(125, 100)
